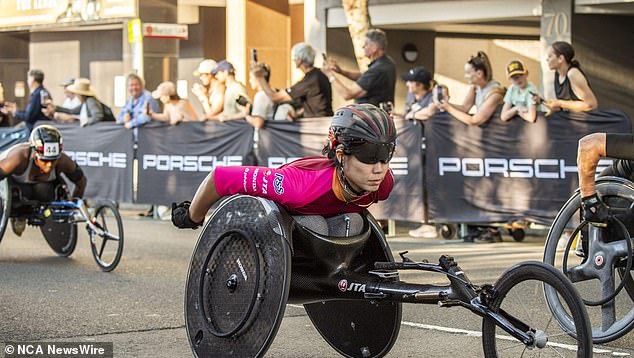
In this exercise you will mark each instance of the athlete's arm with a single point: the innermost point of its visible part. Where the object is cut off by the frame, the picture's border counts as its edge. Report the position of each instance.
(205, 197)
(74, 173)
(16, 158)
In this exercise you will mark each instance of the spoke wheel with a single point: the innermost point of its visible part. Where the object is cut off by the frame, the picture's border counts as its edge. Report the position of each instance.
(107, 243)
(519, 293)
(601, 268)
(5, 205)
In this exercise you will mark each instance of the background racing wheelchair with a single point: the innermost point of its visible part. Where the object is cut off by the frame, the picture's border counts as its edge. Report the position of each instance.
(58, 219)
(597, 260)
(252, 258)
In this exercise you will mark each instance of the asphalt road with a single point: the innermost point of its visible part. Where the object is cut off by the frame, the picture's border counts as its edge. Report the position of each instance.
(139, 306)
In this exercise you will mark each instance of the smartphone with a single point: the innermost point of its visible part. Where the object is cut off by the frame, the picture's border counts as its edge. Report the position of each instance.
(538, 96)
(254, 55)
(323, 55)
(439, 92)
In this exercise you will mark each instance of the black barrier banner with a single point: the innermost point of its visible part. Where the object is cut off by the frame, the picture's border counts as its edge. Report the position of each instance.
(12, 136)
(281, 142)
(174, 160)
(104, 152)
(504, 171)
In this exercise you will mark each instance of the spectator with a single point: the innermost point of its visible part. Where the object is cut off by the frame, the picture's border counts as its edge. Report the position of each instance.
(38, 101)
(518, 100)
(175, 109)
(209, 91)
(263, 107)
(6, 120)
(135, 111)
(484, 92)
(419, 103)
(225, 74)
(376, 85)
(312, 92)
(89, 111)
(70, 99)
(572, 89)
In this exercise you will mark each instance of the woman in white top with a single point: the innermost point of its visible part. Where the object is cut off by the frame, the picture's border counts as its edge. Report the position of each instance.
(175, 109)
(484, 92)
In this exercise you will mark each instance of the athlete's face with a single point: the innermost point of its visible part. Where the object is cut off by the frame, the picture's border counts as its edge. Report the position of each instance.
(45, 166)
(361, 176)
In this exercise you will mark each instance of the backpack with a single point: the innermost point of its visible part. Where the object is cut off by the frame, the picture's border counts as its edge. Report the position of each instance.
(108, 116)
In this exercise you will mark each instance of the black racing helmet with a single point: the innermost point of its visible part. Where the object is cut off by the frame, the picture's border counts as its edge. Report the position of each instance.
(46, 141)
(363, 130)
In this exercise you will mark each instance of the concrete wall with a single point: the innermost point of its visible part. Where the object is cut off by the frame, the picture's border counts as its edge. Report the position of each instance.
(603, 46)
(90, 54)
(339, 46)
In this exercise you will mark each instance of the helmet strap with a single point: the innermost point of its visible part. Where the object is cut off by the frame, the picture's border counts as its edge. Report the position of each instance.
(345, 185)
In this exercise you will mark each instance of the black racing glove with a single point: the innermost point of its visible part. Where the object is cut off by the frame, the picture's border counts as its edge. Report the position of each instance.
(181, 218)
(594, 210)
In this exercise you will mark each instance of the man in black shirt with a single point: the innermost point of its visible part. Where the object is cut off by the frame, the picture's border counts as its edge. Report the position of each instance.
(313, 91)
(376, 85)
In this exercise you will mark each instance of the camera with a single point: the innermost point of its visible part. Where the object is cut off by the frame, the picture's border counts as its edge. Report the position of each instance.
(242, 100)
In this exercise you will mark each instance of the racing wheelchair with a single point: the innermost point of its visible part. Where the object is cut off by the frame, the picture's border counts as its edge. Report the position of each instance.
(58, 219)
(598, 260)
(252, 258)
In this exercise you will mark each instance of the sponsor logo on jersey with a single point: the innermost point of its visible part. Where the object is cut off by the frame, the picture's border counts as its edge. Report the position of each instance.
(278, 183)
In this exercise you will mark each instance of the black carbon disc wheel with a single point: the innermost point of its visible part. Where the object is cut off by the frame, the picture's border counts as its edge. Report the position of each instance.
(594, 282)
(230, 285)
(61, 237)
(519, 292)
(238, 280)
(5, 205)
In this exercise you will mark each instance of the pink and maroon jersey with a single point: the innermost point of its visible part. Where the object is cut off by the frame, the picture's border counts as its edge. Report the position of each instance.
(306, 186)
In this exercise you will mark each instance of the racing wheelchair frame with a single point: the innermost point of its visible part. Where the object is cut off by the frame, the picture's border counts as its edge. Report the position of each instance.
(598, 260)
(58, 221)
(252, 258)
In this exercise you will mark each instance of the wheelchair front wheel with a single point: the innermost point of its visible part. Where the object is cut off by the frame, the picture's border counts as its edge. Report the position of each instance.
(519, 292)
(107, 246)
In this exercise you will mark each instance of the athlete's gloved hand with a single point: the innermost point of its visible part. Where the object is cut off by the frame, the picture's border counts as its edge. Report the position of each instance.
(181, 218)
(594, 210)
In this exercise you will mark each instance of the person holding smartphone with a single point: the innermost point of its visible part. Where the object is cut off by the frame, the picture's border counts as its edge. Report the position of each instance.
(519, 98)
(135, 111)
(420, 98)
(225, 74)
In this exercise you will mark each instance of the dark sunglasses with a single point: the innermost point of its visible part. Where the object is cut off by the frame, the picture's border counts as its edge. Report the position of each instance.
(372, 153)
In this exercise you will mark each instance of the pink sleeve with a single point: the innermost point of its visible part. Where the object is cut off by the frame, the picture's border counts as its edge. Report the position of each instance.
(283, 186)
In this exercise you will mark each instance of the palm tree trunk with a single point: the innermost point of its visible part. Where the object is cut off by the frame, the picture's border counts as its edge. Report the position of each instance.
(358, 19)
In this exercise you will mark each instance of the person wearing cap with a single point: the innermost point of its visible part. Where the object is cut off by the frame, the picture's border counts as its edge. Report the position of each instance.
(225, 74)
(263, 107)
(210, 93)
(89, 111)
(485, 93)
(313, 92)
(175, 109)
(70, 99)
(519, 98)
(135, 111)
(36, 106)
(420, 102)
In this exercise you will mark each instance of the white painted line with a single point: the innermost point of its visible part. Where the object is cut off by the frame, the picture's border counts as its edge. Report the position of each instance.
(504, 337)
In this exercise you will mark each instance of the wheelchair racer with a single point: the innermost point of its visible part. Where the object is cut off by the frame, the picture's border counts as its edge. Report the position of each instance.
(35, 168)
(591, 149)
(354, 174)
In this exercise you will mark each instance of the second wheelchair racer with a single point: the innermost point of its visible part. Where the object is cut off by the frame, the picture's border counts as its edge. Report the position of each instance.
(354, 174)
(36, 167)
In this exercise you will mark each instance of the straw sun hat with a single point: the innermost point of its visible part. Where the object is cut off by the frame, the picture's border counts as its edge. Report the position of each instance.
(82, 87)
